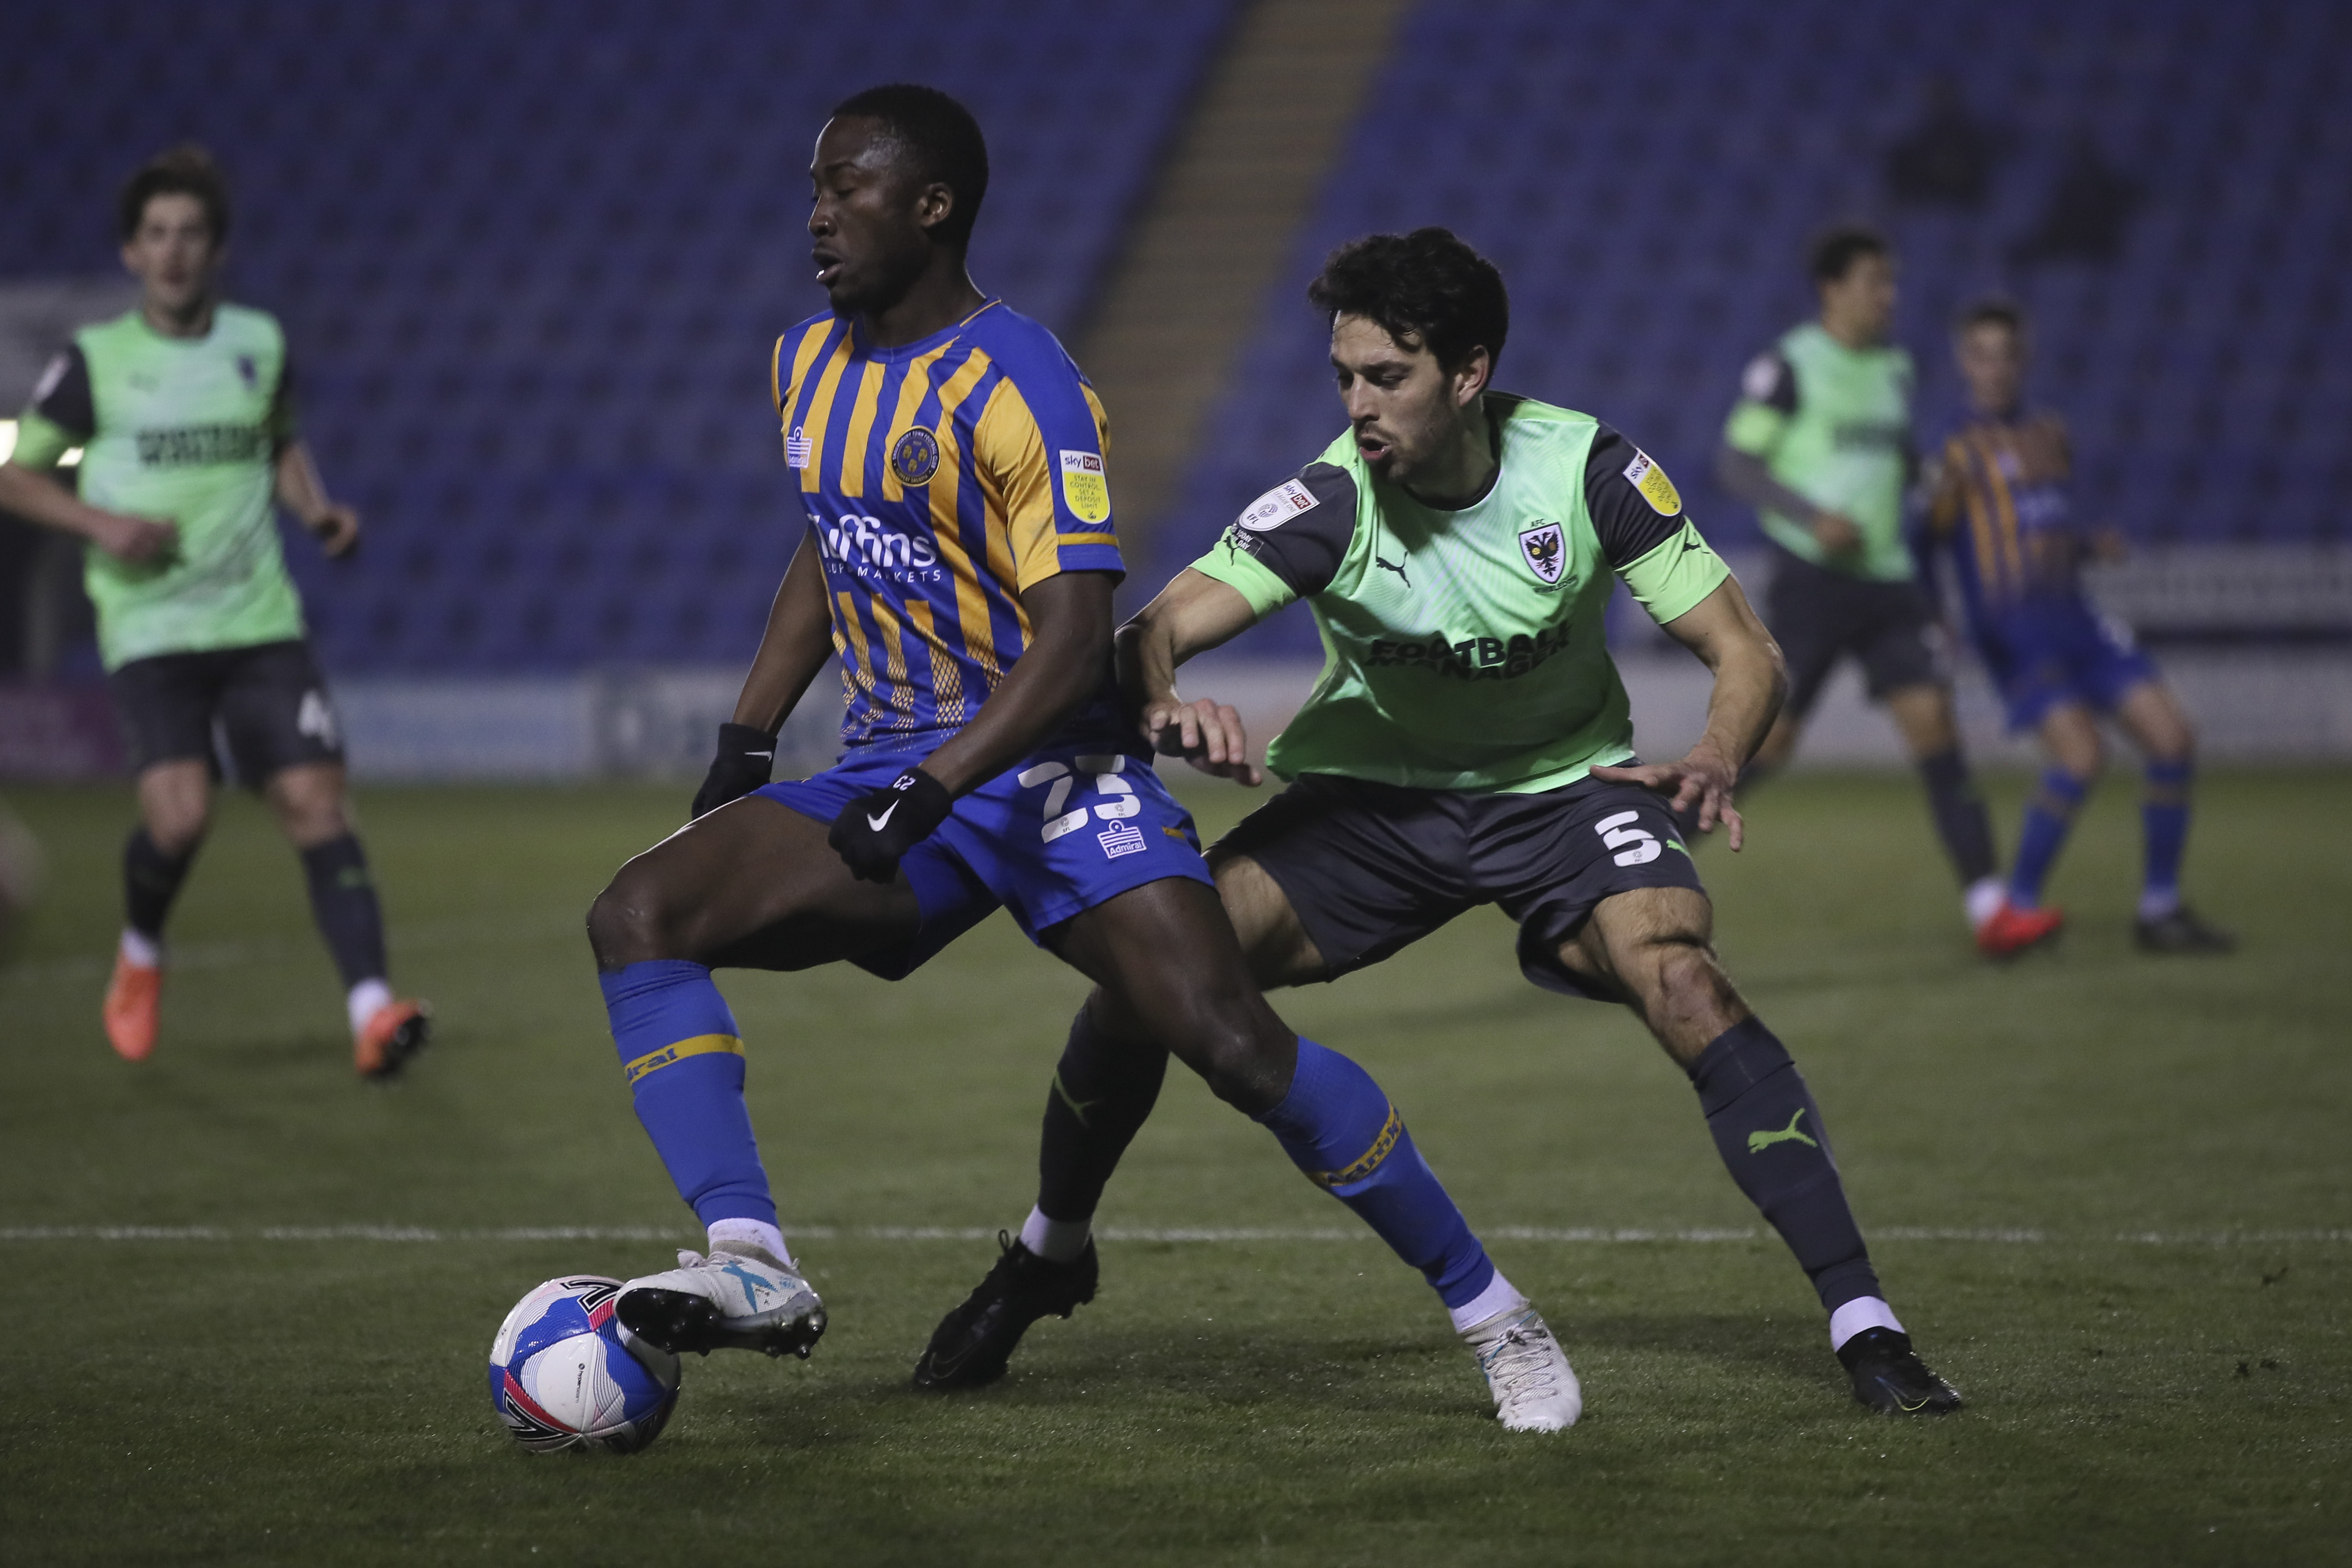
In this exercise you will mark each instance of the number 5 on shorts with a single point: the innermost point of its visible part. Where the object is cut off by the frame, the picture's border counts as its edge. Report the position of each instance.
(1618, 833)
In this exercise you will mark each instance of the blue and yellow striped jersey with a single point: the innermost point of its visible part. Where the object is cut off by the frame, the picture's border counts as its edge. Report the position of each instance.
(940, 478)
(2000, 505)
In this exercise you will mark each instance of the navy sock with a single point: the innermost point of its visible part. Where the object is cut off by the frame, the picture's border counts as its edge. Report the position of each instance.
(1103, 1091)
(1339, 1127)
(1769, 1132)
(2049, 818)
(343, 903)
(685, 1065)
(1961, 821)
(150, 881)
(2164, 824)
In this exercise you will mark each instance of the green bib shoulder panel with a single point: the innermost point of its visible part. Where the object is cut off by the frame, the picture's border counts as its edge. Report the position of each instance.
(188, 429)
(1845, 447)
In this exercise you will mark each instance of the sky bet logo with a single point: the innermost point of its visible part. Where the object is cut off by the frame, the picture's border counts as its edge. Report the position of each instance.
(868, 544)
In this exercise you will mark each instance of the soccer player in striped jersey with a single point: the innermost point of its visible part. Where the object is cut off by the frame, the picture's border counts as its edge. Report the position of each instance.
(1470, 742)
(2000, 513)
(185, 411)
(957, 553)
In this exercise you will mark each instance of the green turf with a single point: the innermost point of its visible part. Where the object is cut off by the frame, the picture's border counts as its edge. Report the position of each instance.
(1295, 1401)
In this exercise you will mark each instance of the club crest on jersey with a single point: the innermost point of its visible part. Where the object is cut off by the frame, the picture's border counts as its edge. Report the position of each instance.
(1645, 475)
(248, 371)
(1277, 506)
(1545, 550)
(915, 457)
(1084, 488)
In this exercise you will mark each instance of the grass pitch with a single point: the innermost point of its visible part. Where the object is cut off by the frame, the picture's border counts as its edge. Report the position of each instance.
(2111, 1195)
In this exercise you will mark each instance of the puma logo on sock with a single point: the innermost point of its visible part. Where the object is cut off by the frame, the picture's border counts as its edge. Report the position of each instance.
(1758, 1142)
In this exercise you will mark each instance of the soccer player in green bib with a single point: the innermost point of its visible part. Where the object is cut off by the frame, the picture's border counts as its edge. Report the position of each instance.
(184, 409)
(1469, 744)
(1820, 443)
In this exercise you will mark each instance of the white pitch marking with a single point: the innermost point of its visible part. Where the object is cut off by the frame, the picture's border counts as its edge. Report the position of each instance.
(1570, 1235)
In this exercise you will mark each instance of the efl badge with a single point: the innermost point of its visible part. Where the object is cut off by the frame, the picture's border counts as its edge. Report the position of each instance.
(1646, 477)
(915, 457)
(1277, 506)
(1084, 490)
(1545, 551)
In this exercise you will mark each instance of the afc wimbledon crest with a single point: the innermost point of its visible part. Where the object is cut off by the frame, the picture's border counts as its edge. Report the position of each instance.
(1545, 551)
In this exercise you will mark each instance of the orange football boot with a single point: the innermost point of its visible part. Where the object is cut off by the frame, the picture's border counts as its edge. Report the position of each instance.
(134, 999)
(2011, 931)
(396, 1031)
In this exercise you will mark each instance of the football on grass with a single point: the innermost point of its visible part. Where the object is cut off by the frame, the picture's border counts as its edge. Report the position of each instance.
(563, 1377)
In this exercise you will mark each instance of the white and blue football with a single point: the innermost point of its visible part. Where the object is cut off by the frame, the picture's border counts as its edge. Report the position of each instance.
(565, 1374)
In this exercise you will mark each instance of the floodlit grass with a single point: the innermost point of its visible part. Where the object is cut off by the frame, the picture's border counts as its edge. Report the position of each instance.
(245, 1398)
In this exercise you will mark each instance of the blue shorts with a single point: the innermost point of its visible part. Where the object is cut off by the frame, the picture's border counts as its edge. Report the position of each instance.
(2041, 656)
(1067, 830)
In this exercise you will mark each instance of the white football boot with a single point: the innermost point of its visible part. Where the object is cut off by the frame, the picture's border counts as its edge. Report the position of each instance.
(738, 1298)
(1534, 1389)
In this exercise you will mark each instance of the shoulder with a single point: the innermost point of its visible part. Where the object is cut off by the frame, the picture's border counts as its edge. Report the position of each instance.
(244, 327)
(1771, 378)
(1525, 416)
(1022, 349)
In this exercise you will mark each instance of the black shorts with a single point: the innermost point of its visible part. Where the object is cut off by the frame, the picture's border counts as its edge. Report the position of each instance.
(1818, 617)
(268, 702)
(1371, 868)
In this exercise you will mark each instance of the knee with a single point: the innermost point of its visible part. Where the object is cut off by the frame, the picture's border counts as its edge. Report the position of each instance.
(1243, 1055)
(631, 921)
(1688, 996)
(178, 832)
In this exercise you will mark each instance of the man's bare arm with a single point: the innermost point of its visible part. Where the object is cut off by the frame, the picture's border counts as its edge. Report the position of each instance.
(1193, 614)
(35, 498)
(303, 493)
(797, 642)
(1067, 657)
(1751, 681)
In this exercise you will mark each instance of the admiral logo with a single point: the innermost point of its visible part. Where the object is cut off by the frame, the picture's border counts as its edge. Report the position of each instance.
(1085, 490)
(1277, 506)
(1121, 841)
(796, 448)
(1646, 477)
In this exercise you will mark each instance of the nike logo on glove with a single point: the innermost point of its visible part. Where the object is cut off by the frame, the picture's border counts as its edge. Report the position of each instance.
(878, 823)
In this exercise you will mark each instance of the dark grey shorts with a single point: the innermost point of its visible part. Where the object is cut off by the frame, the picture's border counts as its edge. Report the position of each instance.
(266, 702)
(1371, 868)
(1818, 617)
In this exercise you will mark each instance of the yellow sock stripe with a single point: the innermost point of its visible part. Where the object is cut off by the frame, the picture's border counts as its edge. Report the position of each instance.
(1367, 1162)
(677, 1050)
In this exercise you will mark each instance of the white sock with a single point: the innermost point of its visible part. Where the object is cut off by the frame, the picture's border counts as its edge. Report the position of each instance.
(1056, 1240)
(1499, 1296)
(756, 1233)
(1983, 900)
(142, 949)
(1862, 1313)
(365, 998)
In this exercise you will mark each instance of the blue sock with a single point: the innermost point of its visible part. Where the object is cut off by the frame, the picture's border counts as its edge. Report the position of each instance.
(2049, 818)
(1770, 1133)
(685, 1066)
(1339, 1127)
(2163, 824)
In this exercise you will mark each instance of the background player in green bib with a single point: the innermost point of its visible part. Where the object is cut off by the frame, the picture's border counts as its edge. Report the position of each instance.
(185, 412)
(1821, 444)
(1470, 742)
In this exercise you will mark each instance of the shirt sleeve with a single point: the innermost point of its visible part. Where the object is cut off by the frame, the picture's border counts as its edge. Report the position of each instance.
(1047, 462)
(285, 427)
(1644, 533)
(1289, 543)
(1768, 398)
(61, 415)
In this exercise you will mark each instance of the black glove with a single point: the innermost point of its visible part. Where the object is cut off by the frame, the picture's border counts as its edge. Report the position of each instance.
(746, 757)
(874, 831)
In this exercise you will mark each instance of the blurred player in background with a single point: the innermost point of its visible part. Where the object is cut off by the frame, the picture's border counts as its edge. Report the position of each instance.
(1820, 443)
(959, 556)
(185, 412)
(2000, 509)
(1470, 742)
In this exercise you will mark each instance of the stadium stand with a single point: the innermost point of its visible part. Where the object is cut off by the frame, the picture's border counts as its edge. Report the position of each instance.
(1647, 176)
(532, 271)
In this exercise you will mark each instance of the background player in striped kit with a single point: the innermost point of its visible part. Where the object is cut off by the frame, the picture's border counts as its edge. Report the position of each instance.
(1470, 742)
(1820, 443)
(185, 409)
(958, 555)
(1999, 510)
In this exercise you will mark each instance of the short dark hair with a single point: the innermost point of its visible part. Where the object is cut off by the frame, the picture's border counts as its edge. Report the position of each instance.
(1426, 284)
(940, 137)
(1836, 248)
(186, 170)
(1993, 310)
